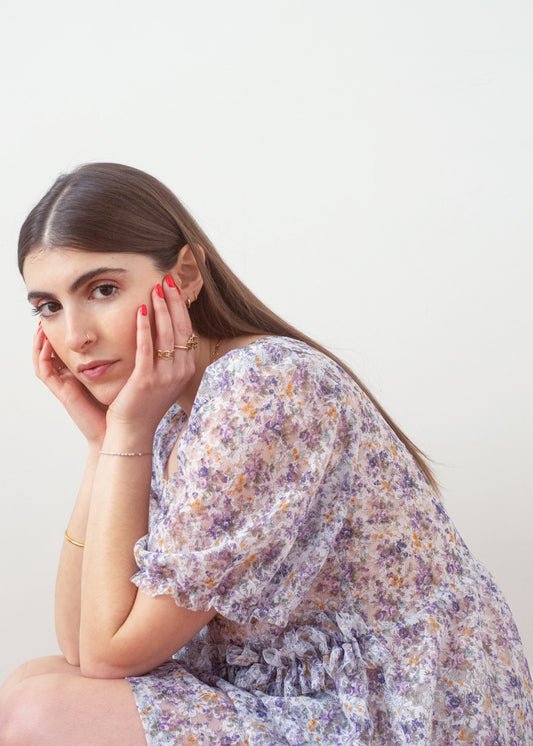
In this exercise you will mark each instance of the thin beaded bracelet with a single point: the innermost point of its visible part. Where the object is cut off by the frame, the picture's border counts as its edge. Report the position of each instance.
(125, 453)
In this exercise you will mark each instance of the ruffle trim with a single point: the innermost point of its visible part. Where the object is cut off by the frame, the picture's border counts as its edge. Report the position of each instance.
(308, 659)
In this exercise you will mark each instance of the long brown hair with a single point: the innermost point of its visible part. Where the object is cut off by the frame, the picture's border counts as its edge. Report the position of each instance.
(116, 208)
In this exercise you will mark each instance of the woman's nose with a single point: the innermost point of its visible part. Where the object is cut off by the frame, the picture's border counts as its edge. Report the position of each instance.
(77, 334)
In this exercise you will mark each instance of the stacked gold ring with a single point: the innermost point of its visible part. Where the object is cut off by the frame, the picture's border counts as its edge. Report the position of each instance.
(192, 344)
(164, 354)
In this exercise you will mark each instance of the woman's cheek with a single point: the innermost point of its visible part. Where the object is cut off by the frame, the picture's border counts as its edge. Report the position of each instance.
(56, 338)
(122, 320)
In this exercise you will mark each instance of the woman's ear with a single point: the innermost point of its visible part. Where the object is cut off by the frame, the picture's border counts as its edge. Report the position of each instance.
(187, 273)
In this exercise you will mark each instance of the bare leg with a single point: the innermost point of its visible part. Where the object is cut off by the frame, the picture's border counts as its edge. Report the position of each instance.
(36, 667)
(48, 703)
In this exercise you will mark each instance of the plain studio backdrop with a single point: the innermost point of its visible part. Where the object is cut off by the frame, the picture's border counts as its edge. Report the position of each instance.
(366, 167)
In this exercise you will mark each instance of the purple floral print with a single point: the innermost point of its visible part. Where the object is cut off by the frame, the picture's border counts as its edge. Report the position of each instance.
(350, 611)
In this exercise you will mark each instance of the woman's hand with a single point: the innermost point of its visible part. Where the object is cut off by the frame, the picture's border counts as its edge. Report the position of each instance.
(155, 382)
(88, 414)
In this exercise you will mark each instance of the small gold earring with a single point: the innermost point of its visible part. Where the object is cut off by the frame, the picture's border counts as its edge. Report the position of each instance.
(189, 302)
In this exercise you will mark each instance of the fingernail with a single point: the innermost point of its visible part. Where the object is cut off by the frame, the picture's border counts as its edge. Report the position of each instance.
(144, 310)
(40, 325)
(159, 291)
(170, 281)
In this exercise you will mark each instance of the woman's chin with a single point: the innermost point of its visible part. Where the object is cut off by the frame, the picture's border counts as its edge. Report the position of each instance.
(104, 395)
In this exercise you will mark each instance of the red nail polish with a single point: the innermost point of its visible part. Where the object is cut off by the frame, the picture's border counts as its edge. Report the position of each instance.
(159, 291)
(144, 310)
(170, 281)
(40, 324)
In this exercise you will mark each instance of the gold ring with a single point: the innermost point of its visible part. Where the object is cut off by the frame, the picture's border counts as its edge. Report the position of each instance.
(192, 344)
(164, 354)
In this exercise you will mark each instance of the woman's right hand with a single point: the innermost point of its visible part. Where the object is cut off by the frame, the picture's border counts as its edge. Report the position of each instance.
(88, 414)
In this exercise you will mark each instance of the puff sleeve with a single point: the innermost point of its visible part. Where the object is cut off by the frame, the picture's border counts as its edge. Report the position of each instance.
(248, 521)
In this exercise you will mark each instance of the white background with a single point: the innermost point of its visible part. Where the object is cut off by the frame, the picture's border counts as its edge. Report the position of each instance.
(366, 167)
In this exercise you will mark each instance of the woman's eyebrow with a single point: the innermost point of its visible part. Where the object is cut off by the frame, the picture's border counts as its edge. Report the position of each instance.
(81, 280)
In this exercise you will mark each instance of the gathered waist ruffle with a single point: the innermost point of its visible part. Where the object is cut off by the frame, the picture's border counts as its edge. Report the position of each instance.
(339, 663)
(338, 647)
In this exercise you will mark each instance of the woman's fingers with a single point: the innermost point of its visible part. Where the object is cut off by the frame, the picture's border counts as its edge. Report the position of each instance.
(164, 331)
(145, 347)
(173, 325)
(44, 362)
(38, 341)
(181, 323)
(173, 364)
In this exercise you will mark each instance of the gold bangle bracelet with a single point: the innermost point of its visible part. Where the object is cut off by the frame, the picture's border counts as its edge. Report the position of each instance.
(73, 541)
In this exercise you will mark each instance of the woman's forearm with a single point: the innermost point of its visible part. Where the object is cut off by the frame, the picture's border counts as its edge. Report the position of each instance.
(118, 517)
(68, 583)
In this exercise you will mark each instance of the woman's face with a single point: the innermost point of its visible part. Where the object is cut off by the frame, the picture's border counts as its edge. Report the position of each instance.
(87, 302)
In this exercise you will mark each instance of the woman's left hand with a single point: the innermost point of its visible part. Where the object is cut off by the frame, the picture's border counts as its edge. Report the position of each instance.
(156, 381)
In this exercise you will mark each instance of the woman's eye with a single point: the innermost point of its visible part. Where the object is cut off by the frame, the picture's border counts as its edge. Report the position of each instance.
(104, 291)
(46, 309)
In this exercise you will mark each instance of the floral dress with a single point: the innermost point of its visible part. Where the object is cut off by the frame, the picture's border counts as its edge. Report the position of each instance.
(349, 609)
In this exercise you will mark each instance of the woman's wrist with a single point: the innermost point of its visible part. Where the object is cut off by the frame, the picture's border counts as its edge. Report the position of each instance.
(94, 450)
(93, 456)
(119, 440)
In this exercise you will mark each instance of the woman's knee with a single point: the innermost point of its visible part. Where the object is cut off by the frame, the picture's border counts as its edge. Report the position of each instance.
(29, 708)
(60, 709)
(16, 708)
(38, 667)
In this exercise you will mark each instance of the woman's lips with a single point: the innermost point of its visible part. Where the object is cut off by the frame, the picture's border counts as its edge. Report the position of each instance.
(91, 371)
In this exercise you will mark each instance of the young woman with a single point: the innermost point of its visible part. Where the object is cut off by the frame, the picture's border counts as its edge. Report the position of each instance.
(257, 554)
